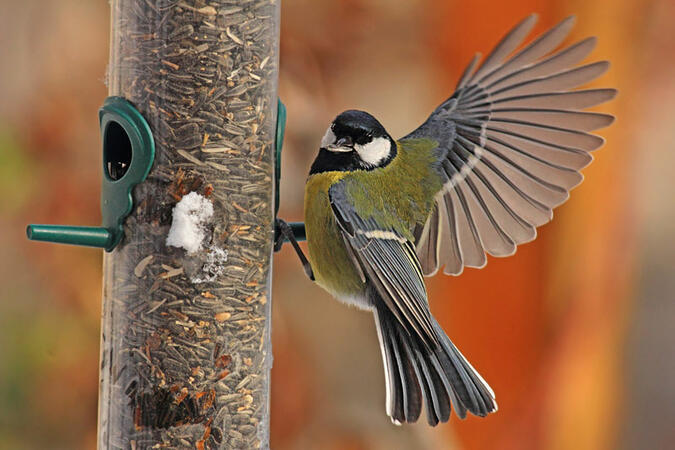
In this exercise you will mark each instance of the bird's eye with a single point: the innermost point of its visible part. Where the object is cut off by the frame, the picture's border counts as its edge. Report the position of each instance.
(364, 139)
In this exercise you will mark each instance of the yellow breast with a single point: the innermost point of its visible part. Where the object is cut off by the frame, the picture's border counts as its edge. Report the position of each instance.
(332, 266)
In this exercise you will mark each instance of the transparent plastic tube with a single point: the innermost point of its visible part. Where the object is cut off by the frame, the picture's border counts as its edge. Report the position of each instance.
(185, 345)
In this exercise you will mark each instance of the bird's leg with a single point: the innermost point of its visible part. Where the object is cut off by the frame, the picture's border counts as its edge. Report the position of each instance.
(283, 231)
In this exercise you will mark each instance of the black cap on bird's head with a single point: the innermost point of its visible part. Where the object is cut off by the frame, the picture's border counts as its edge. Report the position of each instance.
(355, 140)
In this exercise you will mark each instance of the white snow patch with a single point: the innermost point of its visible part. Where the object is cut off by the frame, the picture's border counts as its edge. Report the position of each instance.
(190, 216)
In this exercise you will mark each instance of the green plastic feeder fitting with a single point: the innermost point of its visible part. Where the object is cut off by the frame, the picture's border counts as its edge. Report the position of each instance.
(128, 154)
(298, 231)
(297, 227)
(278, 145)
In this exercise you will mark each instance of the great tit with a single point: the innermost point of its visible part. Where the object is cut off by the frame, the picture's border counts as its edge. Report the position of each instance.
(478, 176)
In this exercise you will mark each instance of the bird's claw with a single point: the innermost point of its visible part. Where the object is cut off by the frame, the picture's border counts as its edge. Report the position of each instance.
(283, 231)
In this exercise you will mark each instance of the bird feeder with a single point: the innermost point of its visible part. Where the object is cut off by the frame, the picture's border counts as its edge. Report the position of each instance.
(188, 224)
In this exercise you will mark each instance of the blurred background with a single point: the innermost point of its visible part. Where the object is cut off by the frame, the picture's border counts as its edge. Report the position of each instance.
(575, 333)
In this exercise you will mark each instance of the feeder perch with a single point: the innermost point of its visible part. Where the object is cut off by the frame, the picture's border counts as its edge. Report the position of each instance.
(128, 154)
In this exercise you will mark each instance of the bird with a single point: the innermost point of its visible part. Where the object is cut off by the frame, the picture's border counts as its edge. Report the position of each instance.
(485, 169)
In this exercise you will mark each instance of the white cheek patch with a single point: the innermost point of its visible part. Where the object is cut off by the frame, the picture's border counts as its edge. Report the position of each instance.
(375, 151)
(328, 138)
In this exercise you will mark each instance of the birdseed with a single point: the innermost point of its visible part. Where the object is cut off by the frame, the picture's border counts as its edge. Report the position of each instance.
(185, 352)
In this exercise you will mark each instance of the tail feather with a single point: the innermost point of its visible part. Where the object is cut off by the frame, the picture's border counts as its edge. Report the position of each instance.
(473, 391)
(394, 401)
(425, 382)
(435, 394)
(410, 387)
(441, 376)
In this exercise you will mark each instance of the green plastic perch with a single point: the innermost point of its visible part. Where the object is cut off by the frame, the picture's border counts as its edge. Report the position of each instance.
(64, 234)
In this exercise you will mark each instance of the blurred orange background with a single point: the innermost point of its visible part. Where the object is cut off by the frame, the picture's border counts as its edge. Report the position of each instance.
(574, 333)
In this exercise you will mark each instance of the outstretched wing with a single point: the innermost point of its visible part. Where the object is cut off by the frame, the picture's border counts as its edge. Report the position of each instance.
(388, 260)
(513, 139)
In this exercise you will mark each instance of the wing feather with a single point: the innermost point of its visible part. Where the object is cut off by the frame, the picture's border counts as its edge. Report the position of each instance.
(559, 61)
(450, 255)
(512, 140)
(508, 44)
(574, 100)
(388, 260)
(541, 46)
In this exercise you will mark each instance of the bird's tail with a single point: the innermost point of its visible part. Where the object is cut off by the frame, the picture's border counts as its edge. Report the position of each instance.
(414, 371)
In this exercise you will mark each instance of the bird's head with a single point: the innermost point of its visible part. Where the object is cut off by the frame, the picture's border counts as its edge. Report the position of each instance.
(355, 140)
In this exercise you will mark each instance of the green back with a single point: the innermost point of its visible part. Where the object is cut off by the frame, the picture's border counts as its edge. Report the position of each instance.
(401, 194)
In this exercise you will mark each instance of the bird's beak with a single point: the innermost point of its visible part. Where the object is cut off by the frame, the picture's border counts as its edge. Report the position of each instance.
(344, 144)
